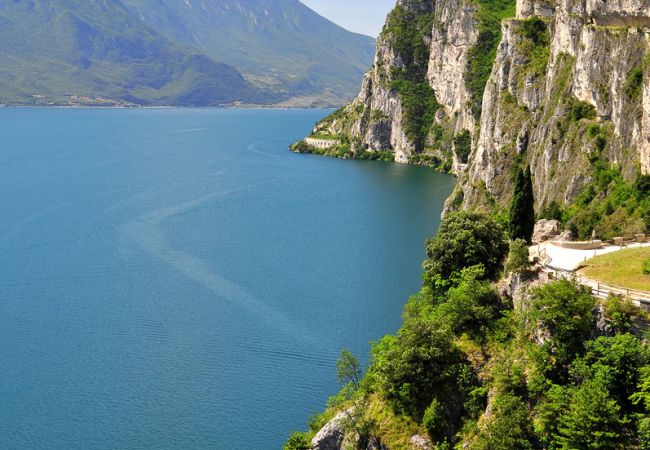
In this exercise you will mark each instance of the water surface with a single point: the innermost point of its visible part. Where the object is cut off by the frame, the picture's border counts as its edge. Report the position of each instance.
(177, 279)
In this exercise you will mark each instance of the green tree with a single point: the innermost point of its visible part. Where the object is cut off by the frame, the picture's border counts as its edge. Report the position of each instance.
(642, 398)
(522, 207)
(348, 369)
(297, 441)
(416, 365)
(434, 421)
(593, 420)
(620, 357)
(509, 427)
(552, 407)
(465, 239)
(471, 306)
(561, 316)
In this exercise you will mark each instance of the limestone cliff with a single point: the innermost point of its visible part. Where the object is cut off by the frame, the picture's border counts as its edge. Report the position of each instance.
(566, 91)
(479, 88)
(414, 99)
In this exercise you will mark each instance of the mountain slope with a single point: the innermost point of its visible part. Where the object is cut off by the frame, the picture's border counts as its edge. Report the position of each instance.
(97, 51)
(279, 44)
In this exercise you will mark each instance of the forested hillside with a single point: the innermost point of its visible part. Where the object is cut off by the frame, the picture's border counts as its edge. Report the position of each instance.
(518, 364)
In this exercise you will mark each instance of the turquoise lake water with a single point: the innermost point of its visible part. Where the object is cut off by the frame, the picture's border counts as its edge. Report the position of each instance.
(177, 279)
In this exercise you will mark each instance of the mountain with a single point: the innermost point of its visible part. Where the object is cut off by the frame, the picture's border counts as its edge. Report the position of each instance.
(97, 51)
(280, 45)
(483, 90)
(185, 53)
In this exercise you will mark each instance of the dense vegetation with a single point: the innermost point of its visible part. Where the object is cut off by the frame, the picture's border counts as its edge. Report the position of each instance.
(342, 150)
(610, 205)
(556, 369)
(463, 145)
(482, 55)
(407, 33)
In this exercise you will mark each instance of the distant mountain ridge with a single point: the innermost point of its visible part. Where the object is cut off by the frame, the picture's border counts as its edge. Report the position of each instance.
(176, 53)
(279, 44)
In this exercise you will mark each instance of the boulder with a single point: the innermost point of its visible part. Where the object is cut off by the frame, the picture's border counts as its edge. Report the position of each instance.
(331, 436)
(565, 236)
(418, 442)
(545, 230)
(375, 444)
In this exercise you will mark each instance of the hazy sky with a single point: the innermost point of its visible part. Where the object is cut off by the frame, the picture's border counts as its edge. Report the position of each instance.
(362, 16)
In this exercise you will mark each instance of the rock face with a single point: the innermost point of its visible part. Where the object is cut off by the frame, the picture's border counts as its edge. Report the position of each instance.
(565, 90)
(545, 230)
(558, 63)
(331, 436)
(377, 120)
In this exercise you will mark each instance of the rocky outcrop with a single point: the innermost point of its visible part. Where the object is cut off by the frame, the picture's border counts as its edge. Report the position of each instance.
(335, 436)
(331, 436)
(546, 230)
(418, 442)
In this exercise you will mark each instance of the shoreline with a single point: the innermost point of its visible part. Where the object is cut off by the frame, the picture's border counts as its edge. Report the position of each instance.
(246, 106)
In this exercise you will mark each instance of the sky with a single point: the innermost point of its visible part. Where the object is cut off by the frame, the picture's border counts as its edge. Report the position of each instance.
(361, 16)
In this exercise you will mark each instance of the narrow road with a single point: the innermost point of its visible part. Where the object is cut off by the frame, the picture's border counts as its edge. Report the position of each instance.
(565, 263)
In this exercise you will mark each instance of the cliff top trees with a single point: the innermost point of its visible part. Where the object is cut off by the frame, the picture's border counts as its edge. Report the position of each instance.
(522, 208)
(465, 239)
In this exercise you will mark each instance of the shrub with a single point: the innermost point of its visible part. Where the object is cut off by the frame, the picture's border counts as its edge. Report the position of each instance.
(620, 311)
(646, 267)
(552, 211)
(434, 421)
(509, 427)
(518, 257)
(563, 313)
(463, 145)
(578, 110)
(297, 441)
(302, 147)
(634, 82)
(535, 44)
(471, 306)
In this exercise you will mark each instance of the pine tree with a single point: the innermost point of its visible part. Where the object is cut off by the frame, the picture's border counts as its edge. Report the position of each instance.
(594, 419)
(522, 208)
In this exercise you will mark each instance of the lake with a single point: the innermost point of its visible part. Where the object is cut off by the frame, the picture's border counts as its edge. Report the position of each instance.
(176, 279)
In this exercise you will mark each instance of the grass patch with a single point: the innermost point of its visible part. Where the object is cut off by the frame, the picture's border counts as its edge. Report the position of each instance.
(624, 268)
(408, 33)
(463, 145)
(536, 44)
(481, 56)
(394, 430)
(634, 83)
